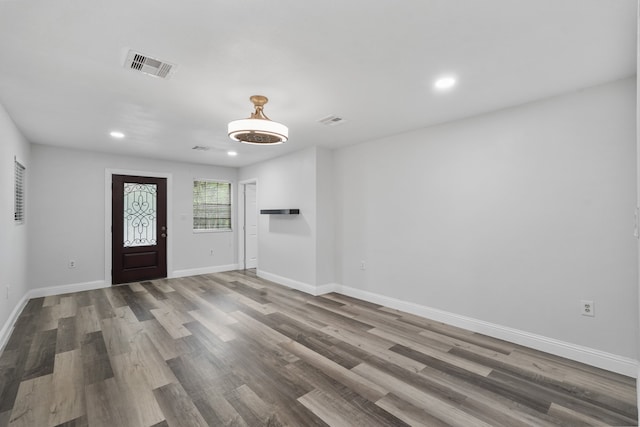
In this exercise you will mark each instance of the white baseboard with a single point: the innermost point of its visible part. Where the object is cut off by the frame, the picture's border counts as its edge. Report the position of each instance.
(66, 289)
(611, 362)
(294, 284)
(301, 286)
(327, 288)
(203, 270)
(7, 328)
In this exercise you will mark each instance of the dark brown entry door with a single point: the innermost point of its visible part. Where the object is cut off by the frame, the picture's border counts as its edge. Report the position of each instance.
(139, 228)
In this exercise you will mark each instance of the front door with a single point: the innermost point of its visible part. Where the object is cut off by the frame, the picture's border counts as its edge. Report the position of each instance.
(139, 228)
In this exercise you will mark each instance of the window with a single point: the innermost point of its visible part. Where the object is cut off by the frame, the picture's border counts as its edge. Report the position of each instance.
(19, 192)
(211, 205)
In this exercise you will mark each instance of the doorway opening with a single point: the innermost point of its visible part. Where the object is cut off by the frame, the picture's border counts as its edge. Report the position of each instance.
(249, 219)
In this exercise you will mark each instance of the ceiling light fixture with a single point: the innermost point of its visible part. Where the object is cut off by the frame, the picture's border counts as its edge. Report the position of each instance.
(232, 153)
(116, 134)
(445, 83)
(258, 129)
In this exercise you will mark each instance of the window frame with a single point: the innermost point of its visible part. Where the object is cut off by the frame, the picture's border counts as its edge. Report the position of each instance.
(231, 207)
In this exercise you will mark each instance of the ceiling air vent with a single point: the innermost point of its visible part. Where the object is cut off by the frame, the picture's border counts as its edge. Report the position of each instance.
(331, 120)
(151, 66)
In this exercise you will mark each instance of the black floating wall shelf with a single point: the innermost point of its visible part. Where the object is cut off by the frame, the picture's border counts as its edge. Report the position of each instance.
(280, 211)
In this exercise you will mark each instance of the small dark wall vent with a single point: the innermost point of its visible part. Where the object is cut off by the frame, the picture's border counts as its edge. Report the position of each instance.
(280, 211)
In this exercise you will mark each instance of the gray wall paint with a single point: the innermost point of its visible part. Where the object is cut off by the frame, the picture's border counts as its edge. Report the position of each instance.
(299, 247)
(325, 194)
(67, 215)
(13, 238)
(510, 217)
(287, 243)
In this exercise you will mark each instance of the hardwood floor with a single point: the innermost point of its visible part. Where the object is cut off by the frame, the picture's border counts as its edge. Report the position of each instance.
(233, 349)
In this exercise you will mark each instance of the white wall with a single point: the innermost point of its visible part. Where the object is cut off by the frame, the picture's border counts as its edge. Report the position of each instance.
(638, 185)
(67, 215)
(287, 243)
(325, 217)
(511, 217)
(13, 237)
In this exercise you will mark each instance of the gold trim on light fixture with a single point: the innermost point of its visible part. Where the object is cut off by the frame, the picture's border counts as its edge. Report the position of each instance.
(258, 129)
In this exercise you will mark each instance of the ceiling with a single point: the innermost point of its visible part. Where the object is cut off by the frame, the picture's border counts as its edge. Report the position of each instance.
(373, 63)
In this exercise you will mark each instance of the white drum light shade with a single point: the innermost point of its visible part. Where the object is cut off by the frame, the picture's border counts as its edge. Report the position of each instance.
(258, 129)
(261, 130)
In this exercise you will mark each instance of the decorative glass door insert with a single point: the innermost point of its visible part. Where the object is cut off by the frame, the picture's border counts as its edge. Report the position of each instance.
(140, 214)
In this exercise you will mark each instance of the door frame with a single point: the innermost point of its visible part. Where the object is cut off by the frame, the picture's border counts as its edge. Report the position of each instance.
(242, 236)
(108, 174)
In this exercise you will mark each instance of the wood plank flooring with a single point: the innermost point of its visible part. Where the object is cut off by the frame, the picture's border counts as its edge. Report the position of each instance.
(230, 349)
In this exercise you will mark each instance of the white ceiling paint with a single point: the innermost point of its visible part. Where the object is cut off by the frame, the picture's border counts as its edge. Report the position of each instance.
(372, 63)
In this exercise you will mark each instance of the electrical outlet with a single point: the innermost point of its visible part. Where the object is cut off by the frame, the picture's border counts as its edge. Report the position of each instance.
(363, 265)
(72, 264)
(587, 308)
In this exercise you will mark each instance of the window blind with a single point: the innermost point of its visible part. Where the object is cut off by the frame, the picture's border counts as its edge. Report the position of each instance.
(211, 205)
(19, 170)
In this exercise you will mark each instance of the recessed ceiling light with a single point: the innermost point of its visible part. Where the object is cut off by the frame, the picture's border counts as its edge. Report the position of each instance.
(232, 153)
(117, 134)
(445, 83)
